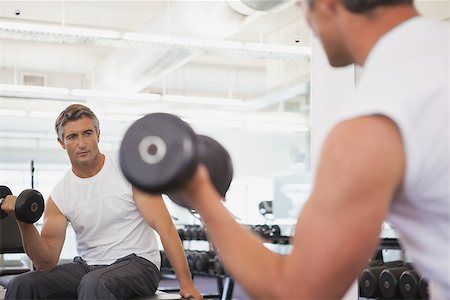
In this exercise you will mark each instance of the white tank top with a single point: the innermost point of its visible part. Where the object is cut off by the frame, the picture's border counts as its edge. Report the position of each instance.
(406, 79)
(104, 216)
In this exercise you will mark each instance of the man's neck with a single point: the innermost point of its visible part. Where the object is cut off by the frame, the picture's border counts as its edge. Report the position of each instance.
(375, 25)
(90, 169)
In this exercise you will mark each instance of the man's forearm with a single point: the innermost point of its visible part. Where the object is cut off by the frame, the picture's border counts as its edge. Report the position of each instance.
(175, 253)
(36, 248)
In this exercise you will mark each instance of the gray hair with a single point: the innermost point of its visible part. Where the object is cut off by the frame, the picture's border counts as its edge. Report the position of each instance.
(72, 113)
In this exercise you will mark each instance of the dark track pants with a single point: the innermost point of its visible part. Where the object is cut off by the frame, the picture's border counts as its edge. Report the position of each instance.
(127, 277)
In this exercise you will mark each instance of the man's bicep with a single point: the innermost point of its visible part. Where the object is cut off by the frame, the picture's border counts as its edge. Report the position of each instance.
(54, 227)
(360, 169)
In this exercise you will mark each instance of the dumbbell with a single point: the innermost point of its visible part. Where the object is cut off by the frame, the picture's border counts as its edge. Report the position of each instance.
(388, 283)
(204, 261)
(29, 205)
(265, 208)
(218, 266)
(198, 233)
(191, 256)
(262, 230)
(160, 152)
(368, 281)
(201, 235)
(165, 263)
(275, 231)
(189, 232)
(423, 288)
(375, 263)
(266, 231)
(181, 233)
(283, 240)
(409, 284)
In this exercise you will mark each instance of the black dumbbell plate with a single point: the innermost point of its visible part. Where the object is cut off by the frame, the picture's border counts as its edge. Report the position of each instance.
(30, 207)
(158, 153)
(217, 161)
(4, 191)
(219, 165)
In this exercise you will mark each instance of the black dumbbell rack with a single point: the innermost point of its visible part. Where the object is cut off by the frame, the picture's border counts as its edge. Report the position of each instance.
(225, 284)
(212, 266)
(389, 243)
(188, 234)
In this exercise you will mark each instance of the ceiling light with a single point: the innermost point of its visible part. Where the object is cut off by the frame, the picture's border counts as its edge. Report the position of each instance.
(244, 121)
(43, 114)
(110, 38)
(280, 49)
(12, 113)
(278, 96)
(115, 95)
(213, 122)
(122, 117)
(63, 30)
(278, 127)
(33, 89)
(214, 101)
(182, 41)
(26, 135)
(212, 44)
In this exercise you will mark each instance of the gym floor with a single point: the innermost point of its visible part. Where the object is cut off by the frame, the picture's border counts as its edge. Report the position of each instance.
(206, 285)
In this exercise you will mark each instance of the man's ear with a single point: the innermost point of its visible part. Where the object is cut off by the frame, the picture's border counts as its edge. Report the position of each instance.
(329, 5)
(62, 143)
(98, 135)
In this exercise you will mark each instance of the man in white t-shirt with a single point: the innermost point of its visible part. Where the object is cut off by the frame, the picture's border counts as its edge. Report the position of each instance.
(118, 251)
(388, 157)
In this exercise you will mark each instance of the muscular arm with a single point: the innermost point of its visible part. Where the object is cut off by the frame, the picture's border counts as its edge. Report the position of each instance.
(44, 249)
(338, 229)
(155, 213)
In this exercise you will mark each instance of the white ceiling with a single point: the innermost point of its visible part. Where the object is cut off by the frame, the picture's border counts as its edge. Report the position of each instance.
(155, 17)
(79, 64)
(266, 79)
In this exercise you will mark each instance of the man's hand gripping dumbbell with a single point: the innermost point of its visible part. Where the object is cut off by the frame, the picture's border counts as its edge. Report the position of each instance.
(27, 207)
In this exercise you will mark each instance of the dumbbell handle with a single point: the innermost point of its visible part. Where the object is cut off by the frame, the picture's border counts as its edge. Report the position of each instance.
(1, 203)
(3, 213)
(34, 206)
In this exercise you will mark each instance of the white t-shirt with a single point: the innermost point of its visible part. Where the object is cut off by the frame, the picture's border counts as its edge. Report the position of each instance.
(104, 216)
(406, 79)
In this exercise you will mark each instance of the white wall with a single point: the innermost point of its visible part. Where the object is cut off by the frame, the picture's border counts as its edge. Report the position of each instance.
(330, 87)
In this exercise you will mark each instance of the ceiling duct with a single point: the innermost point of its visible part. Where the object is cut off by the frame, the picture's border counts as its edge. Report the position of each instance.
(250, 7)
(132, 70)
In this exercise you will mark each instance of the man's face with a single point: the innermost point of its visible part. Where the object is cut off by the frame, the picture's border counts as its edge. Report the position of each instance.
(81, 141)
(325, 19)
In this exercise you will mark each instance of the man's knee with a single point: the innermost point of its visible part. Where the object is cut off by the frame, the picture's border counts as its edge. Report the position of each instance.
(24, 284)
(92, 285)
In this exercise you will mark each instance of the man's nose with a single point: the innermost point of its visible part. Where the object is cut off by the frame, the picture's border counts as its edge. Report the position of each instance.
(81, 142)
